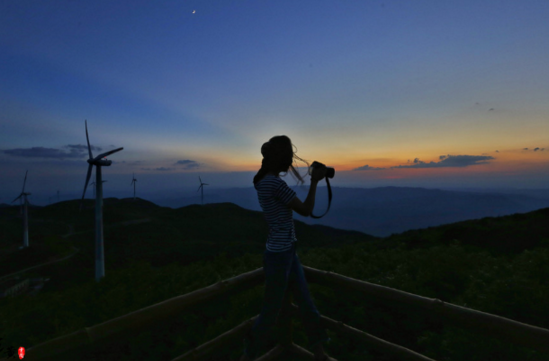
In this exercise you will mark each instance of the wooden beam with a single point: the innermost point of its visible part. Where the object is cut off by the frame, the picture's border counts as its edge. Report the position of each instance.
(300, 352)
(110, 331)
(378, 344)
(206, 350)
(499, 327)
(272, 355)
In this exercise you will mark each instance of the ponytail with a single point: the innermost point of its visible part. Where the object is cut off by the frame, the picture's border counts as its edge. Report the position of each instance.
(262, 171)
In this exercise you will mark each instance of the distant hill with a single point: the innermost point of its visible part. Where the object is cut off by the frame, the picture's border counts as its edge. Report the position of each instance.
(142, 230)
(507, 235)
(387, 210)
(493, 264)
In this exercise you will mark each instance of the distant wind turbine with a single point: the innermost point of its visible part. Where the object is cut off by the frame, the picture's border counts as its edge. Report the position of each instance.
(99, 161)
(23, 197)
(92, 184)
(202, 187)
(134, 181)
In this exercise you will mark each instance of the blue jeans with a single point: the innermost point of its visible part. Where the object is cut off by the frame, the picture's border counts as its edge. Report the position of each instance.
(283, 269)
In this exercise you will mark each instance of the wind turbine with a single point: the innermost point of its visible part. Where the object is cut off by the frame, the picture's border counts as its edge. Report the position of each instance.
(134, 181)
(92, 184)
(23, 197)
(99, 161)
(202, 187)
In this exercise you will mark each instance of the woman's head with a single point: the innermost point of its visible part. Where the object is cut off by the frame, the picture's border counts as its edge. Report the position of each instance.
(278, 156)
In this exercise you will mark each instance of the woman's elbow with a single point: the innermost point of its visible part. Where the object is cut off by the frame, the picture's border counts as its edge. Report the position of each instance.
(306, 213)
(303, 212)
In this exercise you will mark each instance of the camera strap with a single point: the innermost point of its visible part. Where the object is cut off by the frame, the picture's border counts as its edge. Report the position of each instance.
(329, 200)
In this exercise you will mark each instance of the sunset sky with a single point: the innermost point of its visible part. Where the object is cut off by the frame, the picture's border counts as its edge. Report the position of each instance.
(407, 93)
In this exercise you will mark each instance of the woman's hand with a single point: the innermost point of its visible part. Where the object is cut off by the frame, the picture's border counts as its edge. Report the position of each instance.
(318, 174)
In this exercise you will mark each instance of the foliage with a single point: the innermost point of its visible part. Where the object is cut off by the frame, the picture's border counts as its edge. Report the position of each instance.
(506, 280)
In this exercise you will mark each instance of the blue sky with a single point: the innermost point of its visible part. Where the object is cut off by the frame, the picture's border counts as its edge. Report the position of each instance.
(422, 93)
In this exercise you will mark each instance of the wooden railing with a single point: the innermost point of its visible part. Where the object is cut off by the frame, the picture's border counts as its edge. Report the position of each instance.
(16, 286)
(110, 331)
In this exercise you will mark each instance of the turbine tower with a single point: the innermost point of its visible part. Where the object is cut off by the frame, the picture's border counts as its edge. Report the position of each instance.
(93, 187)
(99, 161)
(25, 203)
(93, 184)
(202, 187)
(134, 181)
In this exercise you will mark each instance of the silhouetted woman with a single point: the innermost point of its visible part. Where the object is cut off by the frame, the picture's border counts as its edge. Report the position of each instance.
(280, 262)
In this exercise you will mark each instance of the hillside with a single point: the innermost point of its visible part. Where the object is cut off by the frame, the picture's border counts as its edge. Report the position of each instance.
(506, 235)
(497, 265)
(383, 211)
(143, 231)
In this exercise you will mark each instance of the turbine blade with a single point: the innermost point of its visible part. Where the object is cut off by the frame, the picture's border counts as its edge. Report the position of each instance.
(86, 184)
(199, 188)
(206, 184)
(200, 179)
(25, 182)
(17, 198)
(88, 139)
(108, 153)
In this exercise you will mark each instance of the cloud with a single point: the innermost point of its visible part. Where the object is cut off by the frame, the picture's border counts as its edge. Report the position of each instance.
(41, 152)
(536, 149)
(81, 147)
(525, 149)
(367, 167)
(450, 161)
(161, 169)
(442, 157)
(497, 151)
(72, 151)
(187, 164)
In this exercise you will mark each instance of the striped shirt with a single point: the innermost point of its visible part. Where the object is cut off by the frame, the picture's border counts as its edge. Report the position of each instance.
(274, 196)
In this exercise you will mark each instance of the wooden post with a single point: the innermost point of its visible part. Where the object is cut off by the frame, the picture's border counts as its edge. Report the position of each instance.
(285, 321)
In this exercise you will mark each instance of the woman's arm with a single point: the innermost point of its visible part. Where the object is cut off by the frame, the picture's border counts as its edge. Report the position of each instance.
(305, 208)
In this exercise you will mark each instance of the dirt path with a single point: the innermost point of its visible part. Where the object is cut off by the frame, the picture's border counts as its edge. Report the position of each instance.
(76, 250)
(125, 223)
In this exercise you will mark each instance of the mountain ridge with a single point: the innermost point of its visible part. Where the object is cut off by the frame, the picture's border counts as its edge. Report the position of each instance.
(383, 211)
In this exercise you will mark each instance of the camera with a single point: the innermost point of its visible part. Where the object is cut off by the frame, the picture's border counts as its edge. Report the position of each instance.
(330, 172)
